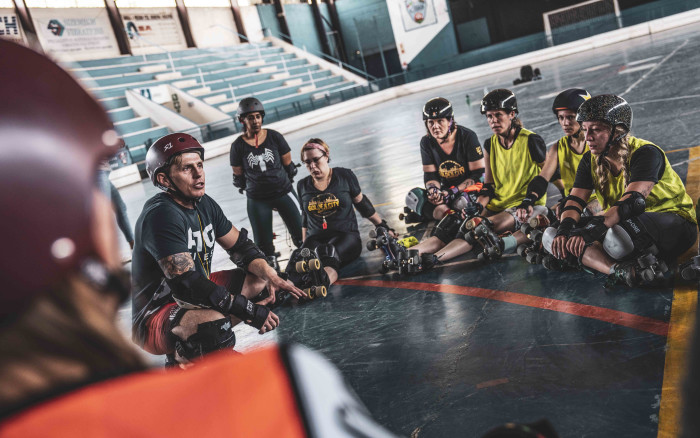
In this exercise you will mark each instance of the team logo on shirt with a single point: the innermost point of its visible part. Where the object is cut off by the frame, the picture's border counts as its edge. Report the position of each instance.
(261, 160)
(478, 150)
(323, 204)
(450, 169)
(201, 241)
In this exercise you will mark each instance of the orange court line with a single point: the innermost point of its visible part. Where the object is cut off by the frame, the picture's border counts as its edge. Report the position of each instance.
(643, 323)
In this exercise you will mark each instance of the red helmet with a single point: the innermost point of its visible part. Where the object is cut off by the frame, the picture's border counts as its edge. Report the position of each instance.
(165, 148)
(54, 135)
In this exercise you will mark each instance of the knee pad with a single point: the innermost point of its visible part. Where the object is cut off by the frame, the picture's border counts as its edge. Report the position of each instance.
(210, 336)
(548, 237)
(328, 255)
(626, 238)
(447, 229)
(415, 199)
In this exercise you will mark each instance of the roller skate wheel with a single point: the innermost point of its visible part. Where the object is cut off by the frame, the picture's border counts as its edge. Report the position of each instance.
(383, 269)
(314, 264)
(688, 273)
(531, 257)
(371, 245)
(301, 267)
(481, 257)
(521, 250)
(647, 275)
(310, 293)
(469, 237)
(321, 291)
(646, 260)
(382, 240)
(373, 234)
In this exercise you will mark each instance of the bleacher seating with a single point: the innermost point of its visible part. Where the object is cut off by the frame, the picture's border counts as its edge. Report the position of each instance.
(219, 77)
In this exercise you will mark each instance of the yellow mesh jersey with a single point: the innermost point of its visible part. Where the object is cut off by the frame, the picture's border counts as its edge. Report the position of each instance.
(667, 195)
(512, 170)
(568, 164)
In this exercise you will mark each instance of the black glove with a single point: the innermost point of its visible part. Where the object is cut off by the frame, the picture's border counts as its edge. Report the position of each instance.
(452, 194)
(565, 227)
(472, 210)
(291, 169)
(527, 202)
(594, 231)
(239, 181)
(385, 225)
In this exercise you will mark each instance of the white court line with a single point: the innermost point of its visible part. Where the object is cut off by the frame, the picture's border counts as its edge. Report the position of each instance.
(596, 67)
(548, 96)
(359, 139)
(655, 67)
(642, 61)
(634, 69)
(666, 99)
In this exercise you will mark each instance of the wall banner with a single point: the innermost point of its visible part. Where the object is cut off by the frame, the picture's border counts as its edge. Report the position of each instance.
(75, 33)
(415, 23)
(153, 29)
(10, 27)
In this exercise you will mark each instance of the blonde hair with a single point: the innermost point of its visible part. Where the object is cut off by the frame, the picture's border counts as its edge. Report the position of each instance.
(620, 152)
(317, 141)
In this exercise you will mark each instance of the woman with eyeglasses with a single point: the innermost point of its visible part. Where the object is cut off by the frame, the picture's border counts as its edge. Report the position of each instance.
(262, 166)
(329, 224)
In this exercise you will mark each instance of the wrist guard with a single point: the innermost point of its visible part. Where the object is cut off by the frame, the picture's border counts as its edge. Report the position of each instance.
(244, 250)
(488, 190)
(527, 202)
(291, 169)
(565, 227)
(239, 181)
(244, 309)
(472, 210)
(594, 231)
(385, 225)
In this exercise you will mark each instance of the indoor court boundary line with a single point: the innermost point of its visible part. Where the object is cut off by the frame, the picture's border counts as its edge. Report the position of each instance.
(683, 314)
(642, 323)
(631, 87)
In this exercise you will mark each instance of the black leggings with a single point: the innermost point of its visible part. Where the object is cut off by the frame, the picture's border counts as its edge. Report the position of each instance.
(348, 245)
(260, 215)
(672, 234)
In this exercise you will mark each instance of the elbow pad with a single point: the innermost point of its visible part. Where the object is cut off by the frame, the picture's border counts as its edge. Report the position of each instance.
(430, 176)
(365, 207)
(633, 206)
(244, 250)
(239, 181)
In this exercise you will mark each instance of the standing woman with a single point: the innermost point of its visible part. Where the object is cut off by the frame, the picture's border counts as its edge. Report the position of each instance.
(648, 213)
(262, 166)
(329, 224)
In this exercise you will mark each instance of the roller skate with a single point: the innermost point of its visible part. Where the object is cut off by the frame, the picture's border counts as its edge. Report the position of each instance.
(533, 252)
(410, 217)
(638, 272)
(306, 271)
(479, 231)
(412, 262)
(380, 238)
(690, 270)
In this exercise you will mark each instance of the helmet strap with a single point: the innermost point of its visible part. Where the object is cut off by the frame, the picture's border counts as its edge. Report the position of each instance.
(449, 131)
(175, 192)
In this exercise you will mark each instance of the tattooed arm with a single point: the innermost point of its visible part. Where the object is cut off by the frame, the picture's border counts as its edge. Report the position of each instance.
(176, 264)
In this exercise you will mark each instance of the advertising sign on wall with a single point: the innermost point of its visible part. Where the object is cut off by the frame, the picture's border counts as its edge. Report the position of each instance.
(213, 27)
(75, 33)
(153, 29)
(10, 27)
(415, 23)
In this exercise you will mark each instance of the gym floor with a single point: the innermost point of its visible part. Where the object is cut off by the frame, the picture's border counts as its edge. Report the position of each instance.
(467, 346)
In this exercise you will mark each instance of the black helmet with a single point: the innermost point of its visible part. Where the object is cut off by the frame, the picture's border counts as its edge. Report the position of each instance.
(438, 108)
(249, 105)
(499, 99)
(608, 108)
(570, 99)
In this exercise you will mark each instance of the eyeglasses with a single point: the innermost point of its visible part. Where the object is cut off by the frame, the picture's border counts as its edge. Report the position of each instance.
(313, 160)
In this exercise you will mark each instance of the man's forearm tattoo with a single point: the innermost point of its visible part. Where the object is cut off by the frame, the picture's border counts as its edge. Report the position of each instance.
(176, 264)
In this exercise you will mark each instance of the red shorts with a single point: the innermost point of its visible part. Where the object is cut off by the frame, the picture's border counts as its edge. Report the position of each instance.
(159, 338)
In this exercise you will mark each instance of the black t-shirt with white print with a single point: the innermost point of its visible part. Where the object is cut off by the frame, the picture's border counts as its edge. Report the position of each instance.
(165, 228)
(453, 168)
(334, 205)
(265, 175)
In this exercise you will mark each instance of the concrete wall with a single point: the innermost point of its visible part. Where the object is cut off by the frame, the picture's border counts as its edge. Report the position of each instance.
(213, 27)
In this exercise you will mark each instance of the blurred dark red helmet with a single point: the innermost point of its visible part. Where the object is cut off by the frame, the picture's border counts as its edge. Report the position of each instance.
(53, 134)
(165, 148)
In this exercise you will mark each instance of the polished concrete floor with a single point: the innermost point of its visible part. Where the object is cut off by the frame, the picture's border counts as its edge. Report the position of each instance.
(458, 350)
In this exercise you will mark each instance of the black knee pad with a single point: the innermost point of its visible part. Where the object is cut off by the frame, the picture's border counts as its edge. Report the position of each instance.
(210, 336)
(268, 249)
(328, 255)
(447, 229)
